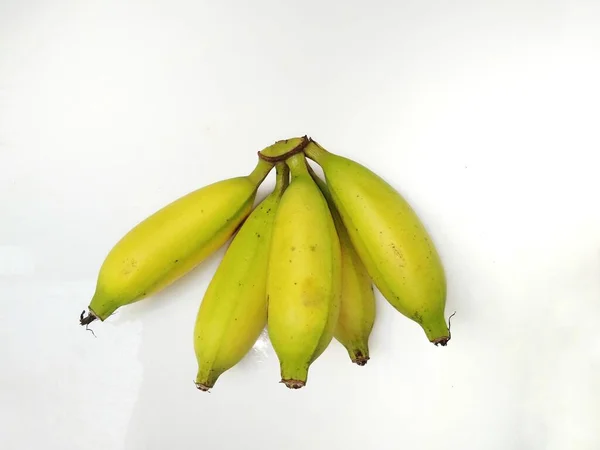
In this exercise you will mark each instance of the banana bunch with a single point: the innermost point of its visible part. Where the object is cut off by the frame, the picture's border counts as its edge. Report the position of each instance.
(302, 263)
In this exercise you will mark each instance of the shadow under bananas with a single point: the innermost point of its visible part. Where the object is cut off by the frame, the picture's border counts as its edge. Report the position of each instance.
(166, 355)
(166, 410)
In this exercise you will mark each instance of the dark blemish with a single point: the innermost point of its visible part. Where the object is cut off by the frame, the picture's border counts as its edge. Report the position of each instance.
(258, 235)
(290, 260)
(293, 248)
(398, 254)
(176, 261)
(418, 317)
(201, 211)
(295, 284)
(313, 248)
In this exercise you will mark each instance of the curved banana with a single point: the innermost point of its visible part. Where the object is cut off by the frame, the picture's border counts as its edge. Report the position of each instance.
(303, 284)
(392, 242)
(234, 308)
(174, 240)
(357, 303)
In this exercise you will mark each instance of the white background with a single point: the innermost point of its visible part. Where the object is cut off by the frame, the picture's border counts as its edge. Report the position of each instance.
(484, 114)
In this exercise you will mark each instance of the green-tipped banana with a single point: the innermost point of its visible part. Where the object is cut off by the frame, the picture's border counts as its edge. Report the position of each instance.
(175, 239)
(357, 303)
(392, 242)
(304, 280)
(234, 308)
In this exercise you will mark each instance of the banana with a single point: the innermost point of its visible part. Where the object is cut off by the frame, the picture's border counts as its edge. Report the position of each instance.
(175, 239)
(357, 304)
(304, 280)
(390, 239)
(234, 308)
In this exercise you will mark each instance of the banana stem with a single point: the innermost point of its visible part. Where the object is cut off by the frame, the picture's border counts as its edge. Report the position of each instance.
(315, 152)
(322, 185)
(260, 172)
(282, 179)
(281, 150)
(297, 165)
(337, 219)
(314, 176)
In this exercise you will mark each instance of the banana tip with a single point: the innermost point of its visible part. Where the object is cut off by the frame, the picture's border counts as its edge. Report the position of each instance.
(202, 387)
(443, 341)
(87, 319)
(361, 360)
(294, 384)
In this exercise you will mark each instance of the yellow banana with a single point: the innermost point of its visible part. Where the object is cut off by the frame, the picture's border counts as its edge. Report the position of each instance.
(357, 303)
(304, 280)
(392, 242)
(175, 239)
(234, 308)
